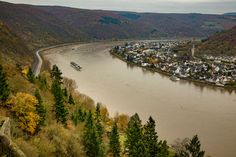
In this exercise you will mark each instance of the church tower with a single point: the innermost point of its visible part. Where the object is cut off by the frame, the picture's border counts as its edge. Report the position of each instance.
(193, 48)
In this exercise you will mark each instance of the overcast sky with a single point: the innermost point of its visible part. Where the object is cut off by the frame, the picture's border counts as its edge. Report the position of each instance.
(161, 6)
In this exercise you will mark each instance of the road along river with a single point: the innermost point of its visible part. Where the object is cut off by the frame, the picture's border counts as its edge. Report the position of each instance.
(181, 109)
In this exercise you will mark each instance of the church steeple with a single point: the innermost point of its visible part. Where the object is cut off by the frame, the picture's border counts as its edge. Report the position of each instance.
(193, 48)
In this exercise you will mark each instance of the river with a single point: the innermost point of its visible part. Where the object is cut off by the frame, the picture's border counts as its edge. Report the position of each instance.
(181, 109)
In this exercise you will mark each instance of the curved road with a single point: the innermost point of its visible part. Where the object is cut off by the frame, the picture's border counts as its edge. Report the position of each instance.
(38, 61)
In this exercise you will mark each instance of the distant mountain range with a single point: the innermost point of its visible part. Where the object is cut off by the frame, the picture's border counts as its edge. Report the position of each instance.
(230, 14)
(46, 25)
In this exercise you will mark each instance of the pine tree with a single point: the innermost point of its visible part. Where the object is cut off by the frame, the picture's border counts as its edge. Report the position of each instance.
(163, 149)
(30, 76)
(150, 138)
(4, 89)
(71, 100)
(56, 74)
(65, 93)
(61, 111)
(114, 143)
(78, 116)
(194, 147)
(42, 82)
(91, 141)
(99, 127)
(40, 109)
(98, 121)
(134, 138)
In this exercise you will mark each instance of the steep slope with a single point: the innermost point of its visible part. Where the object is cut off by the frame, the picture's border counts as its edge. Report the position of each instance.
(47, 25)
(36, 26)
(220, 43)
(12, 47)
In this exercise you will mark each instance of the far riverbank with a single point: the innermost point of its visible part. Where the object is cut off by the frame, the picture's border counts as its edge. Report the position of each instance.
(230, 88)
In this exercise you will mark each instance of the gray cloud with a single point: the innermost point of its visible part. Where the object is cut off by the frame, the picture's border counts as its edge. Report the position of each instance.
(165, 6)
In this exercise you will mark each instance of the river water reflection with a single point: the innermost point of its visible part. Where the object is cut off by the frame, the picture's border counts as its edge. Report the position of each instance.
(181, 109)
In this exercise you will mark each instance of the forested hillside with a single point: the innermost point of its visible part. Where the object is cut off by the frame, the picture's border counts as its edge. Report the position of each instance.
(47, 25)
(221, 43)
(12, 47)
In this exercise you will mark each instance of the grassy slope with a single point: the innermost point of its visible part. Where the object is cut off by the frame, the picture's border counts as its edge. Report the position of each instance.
(53, 138)
(14, 55)
(12, 48)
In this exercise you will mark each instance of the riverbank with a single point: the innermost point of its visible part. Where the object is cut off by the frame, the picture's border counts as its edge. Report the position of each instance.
(168, 74)
(38, 59)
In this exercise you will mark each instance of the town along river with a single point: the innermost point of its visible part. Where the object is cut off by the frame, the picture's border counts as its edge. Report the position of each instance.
(181, 109)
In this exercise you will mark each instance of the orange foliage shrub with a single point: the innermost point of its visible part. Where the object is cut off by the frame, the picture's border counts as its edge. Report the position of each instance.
(24, 107)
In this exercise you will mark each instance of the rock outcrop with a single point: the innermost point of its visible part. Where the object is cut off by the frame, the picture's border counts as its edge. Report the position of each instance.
(7, 146)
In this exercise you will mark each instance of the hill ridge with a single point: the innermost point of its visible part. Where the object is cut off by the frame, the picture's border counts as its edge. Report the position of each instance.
(48, 25)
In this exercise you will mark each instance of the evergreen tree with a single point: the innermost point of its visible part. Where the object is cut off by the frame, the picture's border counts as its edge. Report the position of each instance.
(99, 127)
(79, 116)
(150, 138)
(65, 93)
(61, 111)
(134, 138)
(163, 149)
(30, 76)
(114, 142)
(40, 109)
(56, 74)
(194, 147)
(42, 82)
(71, 100)
(91, 140)
(4, 89)
(98, 121)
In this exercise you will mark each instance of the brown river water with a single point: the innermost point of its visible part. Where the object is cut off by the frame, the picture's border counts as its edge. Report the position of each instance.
(181, 109)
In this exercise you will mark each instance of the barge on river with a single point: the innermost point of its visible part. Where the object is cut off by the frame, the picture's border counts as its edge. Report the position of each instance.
(75, 66)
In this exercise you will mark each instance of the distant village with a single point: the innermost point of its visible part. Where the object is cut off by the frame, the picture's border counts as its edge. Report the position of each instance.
(158, 56)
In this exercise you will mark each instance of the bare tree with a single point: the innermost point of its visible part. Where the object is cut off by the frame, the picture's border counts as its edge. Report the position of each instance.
(69, 84)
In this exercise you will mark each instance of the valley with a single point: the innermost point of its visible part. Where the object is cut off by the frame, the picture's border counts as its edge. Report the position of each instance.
(180, 108)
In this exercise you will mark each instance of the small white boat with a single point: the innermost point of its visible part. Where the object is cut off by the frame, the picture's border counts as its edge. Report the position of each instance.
(219, 84)
(174, 78)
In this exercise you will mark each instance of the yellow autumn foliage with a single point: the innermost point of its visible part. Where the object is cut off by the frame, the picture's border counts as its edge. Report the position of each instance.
(25, 70)
(122, 121)
(152, 61)
(24, 107)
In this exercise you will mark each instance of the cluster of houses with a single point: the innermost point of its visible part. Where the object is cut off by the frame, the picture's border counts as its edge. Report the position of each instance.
(220, 71)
